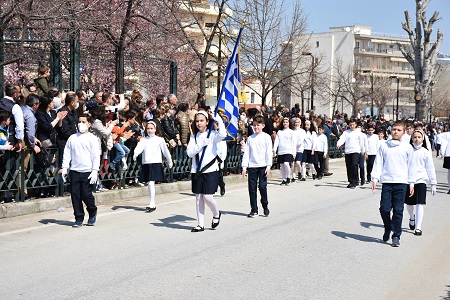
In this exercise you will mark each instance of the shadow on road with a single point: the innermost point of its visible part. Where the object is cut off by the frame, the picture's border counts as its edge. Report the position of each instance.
(59, 222)
(173, 222)
(233, 213)
(136, 208)
(188, 194)
(362, 238)
(368, 225)
(447, 297)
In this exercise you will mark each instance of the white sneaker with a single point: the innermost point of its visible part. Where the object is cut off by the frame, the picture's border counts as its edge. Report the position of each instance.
(124, 167)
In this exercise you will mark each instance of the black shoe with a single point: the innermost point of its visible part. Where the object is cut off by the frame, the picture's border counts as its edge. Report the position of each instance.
(386, 235)
(198, 228)
(252, 214)
(319, 177)
(299, 175)
(418, 232)
(283, 182)
(412, 224)
(293, 179)
(352, 186)
(266, 212)
(395, 241)
(288, 181)
(302, 179)
(448, 192)
(77, 224)
(327, 174)
(307, 174)
(314, 176)
(222, 190)
(349, 186)
(214, 225)
(150, 209)
(363, 182)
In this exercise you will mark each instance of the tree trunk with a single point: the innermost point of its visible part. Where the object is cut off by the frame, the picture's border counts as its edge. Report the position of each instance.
(120, 70)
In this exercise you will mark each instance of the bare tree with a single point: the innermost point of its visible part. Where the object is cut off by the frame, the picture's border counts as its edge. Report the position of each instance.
(422, 53)
(267, 40)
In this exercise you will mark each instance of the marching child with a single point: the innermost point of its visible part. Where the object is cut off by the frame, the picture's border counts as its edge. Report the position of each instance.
(371, 151)
(321, 151)
(308, 149)
(422, 168)
(391, 168)
(152, 145)
(257, 162)
(285, 144)
(205, 178)
(299, 136)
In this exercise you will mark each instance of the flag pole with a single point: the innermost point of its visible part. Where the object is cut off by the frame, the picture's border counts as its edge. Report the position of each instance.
(222, 91)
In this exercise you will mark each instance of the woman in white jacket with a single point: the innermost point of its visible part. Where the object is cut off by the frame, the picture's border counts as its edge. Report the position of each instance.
(421, 169)
(152, 145)
(205, 180)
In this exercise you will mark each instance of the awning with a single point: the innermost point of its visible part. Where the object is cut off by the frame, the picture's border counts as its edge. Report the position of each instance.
(399, 59)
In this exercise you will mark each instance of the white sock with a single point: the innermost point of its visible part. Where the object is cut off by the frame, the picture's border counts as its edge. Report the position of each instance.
(287, 169)
(200, 209)
(283, 171)
(410, 209)
(313, 170)
(419, 215)
(212, 204)
(151, 193)
(304, 170)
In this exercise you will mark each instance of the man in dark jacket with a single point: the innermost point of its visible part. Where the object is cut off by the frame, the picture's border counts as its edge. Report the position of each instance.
(16, 126)
(69, 123)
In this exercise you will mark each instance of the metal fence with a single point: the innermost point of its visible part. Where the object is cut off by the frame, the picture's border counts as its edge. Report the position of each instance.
(16, 178)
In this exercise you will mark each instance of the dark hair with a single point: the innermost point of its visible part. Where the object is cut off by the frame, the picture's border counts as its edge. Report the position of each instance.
(52, 92)
(259, 120)
(79, 93)
(320, 127)
(129, 115)
(43, 69)
(32, 99)
(70, 97)
(45, 101)
(98, 113)
(281, 126)
(4, 115)
(10, 89)
(183, 107)
(106, 96)
(194, 127)
(159, 99)
(88, 118)
(400, 123)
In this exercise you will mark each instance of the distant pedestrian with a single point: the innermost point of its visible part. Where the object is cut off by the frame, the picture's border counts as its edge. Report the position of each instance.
(205, 177)
(257, 161)
(152, 146)
(82, 155)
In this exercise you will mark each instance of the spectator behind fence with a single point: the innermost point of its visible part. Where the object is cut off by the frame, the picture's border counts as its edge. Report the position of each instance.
(47, 122)
(183, 123)
(171, 134)
(69, 123)
(16, 125)
(42, 82)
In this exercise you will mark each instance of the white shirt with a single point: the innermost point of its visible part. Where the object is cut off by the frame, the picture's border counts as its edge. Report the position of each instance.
(392, 163)
(372, 144)
(152, 147)
(258, 151)
(422, 167)
(18, 118)
(321, 144)
(81, 153)
(285, 142)
(353, 140)
(309, 140)
(197, 142)
(299, 136)
(222, 151)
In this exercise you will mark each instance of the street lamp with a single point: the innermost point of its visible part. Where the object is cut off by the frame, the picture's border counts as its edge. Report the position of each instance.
(312, 77)
(398, 93)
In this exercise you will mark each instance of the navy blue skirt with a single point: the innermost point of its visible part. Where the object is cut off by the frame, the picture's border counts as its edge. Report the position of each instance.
(152, 172)
(420, 195)
(285, 158)
(206, 183)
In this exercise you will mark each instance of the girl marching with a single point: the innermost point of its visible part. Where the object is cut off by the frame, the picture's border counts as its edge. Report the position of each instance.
(152, 145)
(206, 180)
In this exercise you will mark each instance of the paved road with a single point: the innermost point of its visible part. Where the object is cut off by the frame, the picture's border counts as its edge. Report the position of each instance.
(321, 241)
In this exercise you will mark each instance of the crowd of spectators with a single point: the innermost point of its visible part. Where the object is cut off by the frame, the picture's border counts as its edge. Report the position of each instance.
(42, 117)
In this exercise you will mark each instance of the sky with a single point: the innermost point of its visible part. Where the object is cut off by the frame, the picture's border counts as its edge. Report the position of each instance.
(384, 16)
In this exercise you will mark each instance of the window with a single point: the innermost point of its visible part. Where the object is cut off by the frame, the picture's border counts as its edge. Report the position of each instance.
(317, 44)
(252, 98)
(209, 25)
(357, 44)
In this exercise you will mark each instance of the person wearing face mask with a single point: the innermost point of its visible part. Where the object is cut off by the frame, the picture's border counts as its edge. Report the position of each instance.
(152, 146)
(69, 123)
(391, 168)
(82, 154)
(422, 169)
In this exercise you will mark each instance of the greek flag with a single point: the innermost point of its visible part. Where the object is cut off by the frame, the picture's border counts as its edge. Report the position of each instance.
(228, 103)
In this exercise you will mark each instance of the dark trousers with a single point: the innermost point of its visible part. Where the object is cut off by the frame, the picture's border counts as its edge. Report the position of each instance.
(370, 161)
(393, 198)
(81, 191)
(351, 162)
(320, 165)
(362, 172)
(257, 177)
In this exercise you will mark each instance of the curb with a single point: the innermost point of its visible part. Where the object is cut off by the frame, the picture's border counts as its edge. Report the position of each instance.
(14, 209)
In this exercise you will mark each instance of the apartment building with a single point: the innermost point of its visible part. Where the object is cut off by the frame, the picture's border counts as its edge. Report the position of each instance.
(372, 64)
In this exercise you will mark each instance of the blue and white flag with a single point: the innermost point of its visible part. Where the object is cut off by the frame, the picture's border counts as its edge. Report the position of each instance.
(228, 103)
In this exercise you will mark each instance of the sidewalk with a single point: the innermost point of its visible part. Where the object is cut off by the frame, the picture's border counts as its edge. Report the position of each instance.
(15, 209)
